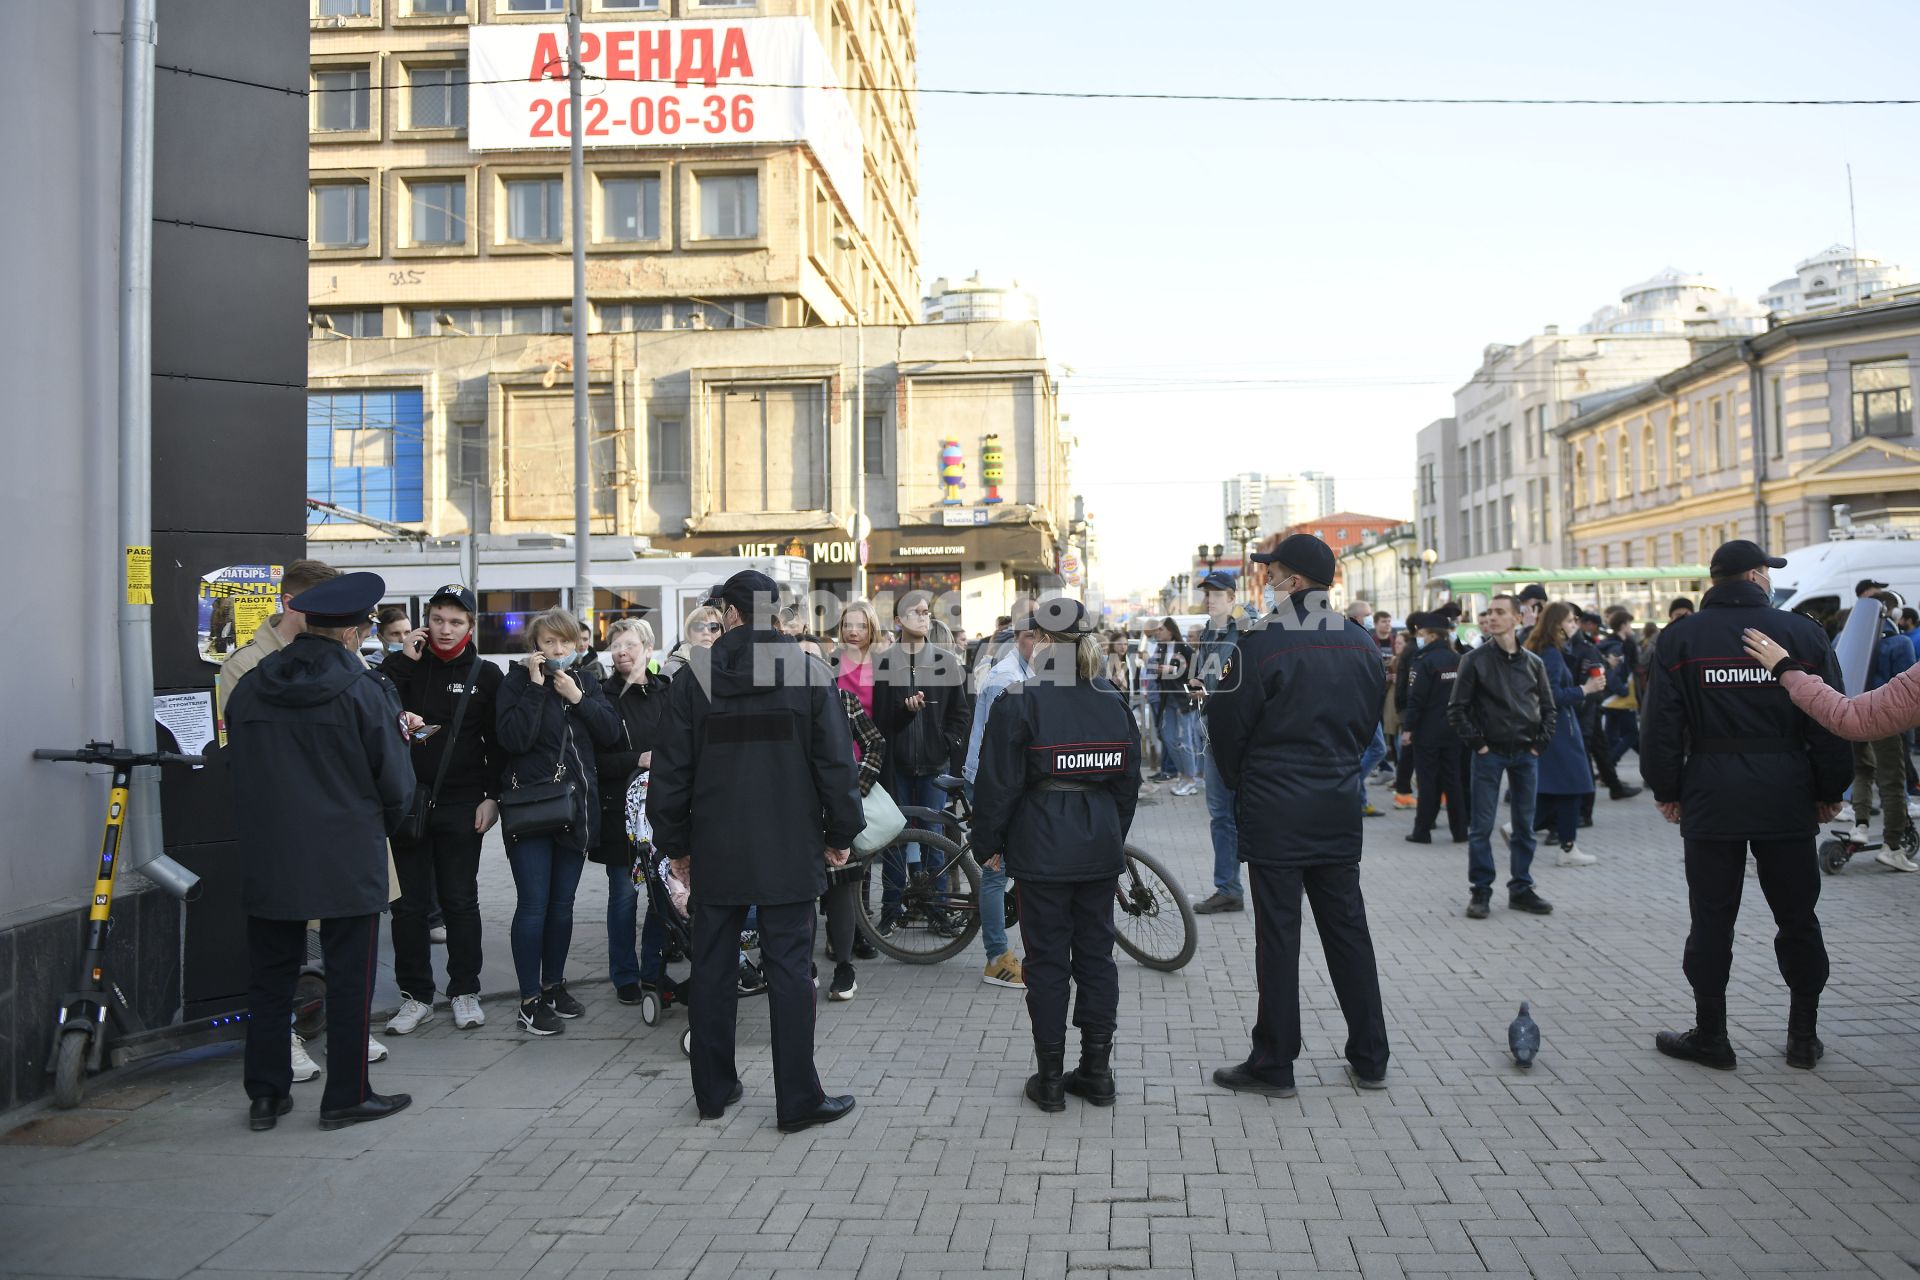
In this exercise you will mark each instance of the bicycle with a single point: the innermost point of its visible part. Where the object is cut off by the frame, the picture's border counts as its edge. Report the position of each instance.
(80, 1033)
(938, 911)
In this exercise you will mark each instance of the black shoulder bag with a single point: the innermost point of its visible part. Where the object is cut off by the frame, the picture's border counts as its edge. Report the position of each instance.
(413, 827)
(541, 808)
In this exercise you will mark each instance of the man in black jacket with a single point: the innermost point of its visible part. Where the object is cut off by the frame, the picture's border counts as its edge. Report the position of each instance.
(1502, 708)
(1733, 762)
(1584, 656)
(753, 774)
(437, 669)
(320, 760)
(1296, 708)
(1435, 746)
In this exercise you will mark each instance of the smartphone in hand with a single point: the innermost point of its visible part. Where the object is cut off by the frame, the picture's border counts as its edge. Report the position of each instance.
(424, 732)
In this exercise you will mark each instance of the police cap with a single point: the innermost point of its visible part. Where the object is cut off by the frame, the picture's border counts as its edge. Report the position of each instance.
(1533, 591)
(1740, 556)
(345, 601)
(1217, 582)
(1303, 553)
(1061, 616)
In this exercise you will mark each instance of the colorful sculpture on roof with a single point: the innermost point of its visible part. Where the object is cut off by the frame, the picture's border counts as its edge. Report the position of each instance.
(952, 463)
(993, 470)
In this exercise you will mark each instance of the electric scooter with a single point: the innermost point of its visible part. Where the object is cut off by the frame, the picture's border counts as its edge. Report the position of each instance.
(1838, 852)
(80, 1037)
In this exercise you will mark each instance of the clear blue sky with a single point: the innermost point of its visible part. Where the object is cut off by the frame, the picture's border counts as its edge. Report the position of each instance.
(1355, 260)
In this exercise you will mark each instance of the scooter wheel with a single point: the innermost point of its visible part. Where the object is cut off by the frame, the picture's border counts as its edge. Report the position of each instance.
(1833, 856)
(70, 1067)
(650, 1008)
(310, 1004)
(686, 1043)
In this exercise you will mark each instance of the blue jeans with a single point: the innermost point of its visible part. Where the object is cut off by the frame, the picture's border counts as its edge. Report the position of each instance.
(623, 909)
(545, 878)
(1176, 745)
(1226, 835)
(1521, 771)
(908, 789)
(1370, 759)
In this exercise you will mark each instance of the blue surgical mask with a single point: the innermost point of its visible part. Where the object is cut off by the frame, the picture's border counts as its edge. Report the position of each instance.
(1267, 599)
(394, 646)
(561, 664)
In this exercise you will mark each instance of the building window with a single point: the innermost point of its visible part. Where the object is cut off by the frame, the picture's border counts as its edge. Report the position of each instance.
(1475, 458)
(1603, 482)
(629, 4)
(536, 6)
(1460, 476)
(533, 210)
(1649, 460)
(364, 452)
(1717, 442)
(1582, 492)
(625, 317)
(667, 451)
(340, 215)
(1679, 548)
(1653, 551)
(1624, 459)
(729, 206)
(1882, 398)
(1676, 436)
(1506, 521)
(1779, 542)
(1779, 437)
(439, 212)
(467, 452)
(873, 445)
(347, 324)
(342, 100)
(444, 7)
(735, 313)
(437, 97)
(342, 8)
(630, 208)
(1526, 432)
(770, 447)
(1506, 450)
(548, 317)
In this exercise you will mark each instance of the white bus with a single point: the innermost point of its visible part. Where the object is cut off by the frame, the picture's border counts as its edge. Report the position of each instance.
(521, 575)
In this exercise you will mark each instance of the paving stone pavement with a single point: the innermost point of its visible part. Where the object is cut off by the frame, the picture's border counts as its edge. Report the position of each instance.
(582, 1157)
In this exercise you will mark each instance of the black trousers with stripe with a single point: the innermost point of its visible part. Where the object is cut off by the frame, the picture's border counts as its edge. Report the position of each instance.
(277, 950)
(1340, 913)
(786, 952)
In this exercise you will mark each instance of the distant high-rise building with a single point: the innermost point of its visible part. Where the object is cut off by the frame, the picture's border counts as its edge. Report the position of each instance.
(976, 298)
(1836, 277)
(1295, 499)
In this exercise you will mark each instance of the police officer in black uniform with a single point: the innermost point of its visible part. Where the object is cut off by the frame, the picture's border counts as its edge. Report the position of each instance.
(319, 761)
(1436, 747)
(1296, 710)
(1733, 762)
(1058, 780)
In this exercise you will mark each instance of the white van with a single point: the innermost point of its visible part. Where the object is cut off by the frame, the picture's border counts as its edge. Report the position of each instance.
(1820, 579)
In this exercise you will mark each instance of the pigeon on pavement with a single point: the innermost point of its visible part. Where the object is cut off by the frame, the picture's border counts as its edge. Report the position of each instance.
(1523, 1037)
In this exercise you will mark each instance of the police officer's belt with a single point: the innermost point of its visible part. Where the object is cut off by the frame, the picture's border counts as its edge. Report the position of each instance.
(1745, 746)
(1068, 784)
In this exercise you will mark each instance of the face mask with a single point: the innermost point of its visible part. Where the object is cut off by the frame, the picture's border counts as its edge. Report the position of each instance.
(561, 664)
(394, 646)
(1267, 599)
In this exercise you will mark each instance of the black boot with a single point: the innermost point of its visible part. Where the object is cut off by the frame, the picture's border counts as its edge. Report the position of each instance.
(1706, 1043)
(1093, 1078)
(1046, 1088)
(1803, 1046)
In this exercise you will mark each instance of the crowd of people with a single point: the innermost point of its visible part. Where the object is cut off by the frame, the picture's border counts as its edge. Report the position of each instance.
(761, 752)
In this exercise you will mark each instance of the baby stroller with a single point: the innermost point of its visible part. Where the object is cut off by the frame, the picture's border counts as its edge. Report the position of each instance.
(669, 899)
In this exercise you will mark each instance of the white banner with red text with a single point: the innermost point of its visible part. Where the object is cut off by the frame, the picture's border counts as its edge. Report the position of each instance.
(666, 84)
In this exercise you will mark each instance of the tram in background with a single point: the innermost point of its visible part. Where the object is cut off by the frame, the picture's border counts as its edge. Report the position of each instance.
(1646, 591)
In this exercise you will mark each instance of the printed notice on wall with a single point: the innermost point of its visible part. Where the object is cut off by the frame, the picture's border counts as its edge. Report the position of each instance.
(139, 575)
(234, 601)
(188, 717)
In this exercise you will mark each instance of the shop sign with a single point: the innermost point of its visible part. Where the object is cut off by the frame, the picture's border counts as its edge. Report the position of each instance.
(822, 552)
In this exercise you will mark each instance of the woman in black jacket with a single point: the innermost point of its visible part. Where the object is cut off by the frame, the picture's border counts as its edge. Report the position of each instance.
(548, 725)
(638, 696)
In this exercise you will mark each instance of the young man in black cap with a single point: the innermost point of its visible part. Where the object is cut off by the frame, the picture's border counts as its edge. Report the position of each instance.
(1296, 708)
(1222, 632)
(320, 758)
(1738, 767)
(443, 679)
(753, 775)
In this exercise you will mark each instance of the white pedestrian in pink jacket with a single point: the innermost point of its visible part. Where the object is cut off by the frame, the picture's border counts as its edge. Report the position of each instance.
(1891, 709)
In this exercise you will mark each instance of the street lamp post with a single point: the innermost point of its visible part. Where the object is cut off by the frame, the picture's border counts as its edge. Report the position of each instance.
(859, 451)
(1241, 526)
(1209, 554)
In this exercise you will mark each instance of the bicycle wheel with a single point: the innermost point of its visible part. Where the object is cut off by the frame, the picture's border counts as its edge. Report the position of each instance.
(1154, 922)
(938, 911)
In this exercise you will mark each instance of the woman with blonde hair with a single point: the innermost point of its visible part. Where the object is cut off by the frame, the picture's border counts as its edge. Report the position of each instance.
(639, 698)
(549, 725)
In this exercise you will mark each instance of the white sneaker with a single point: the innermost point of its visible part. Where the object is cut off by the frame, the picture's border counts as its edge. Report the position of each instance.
(1845, 816)
(1862, 834)
(412, 1013)
(376, 1052)
(437, 935)
(1186, 788)
(466, 1013)
(1506, 829)
(1897, 860)
(1571, 856)
(304, 1067)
